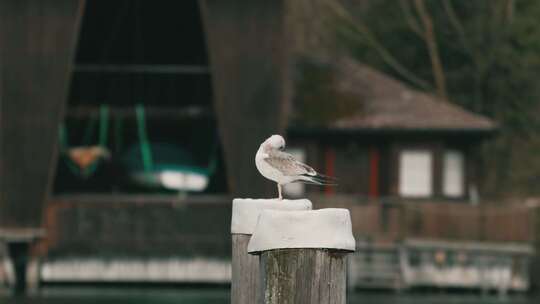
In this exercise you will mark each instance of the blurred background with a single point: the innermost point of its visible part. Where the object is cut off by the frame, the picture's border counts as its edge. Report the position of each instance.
(128, 126)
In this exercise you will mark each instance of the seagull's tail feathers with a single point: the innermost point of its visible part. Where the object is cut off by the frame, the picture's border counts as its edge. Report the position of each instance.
(318, 179)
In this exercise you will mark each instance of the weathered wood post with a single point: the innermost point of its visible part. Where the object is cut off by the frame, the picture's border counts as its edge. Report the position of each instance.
(245, 267)
(303, 255)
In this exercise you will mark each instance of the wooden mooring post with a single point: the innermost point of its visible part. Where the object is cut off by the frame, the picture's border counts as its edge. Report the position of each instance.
(303, 256)
(245, 285)
(18, 243)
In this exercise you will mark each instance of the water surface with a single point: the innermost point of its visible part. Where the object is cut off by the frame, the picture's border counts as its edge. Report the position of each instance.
(221, 296)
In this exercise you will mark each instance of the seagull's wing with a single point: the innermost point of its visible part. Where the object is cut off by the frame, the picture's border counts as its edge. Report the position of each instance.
(287, 165)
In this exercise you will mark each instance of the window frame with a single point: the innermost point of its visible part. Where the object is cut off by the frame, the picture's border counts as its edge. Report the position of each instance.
(437, 150)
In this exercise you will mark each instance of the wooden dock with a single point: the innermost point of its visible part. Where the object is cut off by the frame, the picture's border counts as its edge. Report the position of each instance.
(415, 263)
(154, 232)
(401, 266)
(375, 266)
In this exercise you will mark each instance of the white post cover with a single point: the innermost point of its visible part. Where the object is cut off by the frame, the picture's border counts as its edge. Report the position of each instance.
(324, 228)
(245, 211)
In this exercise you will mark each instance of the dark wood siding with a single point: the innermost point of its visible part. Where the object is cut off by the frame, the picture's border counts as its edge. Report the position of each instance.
(385, 165)
(137, 226)
(352, 169)
(248, 57)
(37, 42)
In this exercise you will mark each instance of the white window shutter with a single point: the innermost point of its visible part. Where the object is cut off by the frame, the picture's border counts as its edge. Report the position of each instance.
(453, 174)
(416, 173)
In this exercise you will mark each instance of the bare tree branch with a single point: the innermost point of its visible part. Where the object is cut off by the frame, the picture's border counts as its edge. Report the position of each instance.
(458, 26)
(410, 18)
(433, 50)
(510, 11)
(387, 57)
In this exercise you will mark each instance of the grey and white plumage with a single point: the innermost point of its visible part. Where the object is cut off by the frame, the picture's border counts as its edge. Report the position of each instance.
(283, 168)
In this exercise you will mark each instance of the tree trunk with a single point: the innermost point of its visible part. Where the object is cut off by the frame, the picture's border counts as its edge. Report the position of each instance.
(433, 49)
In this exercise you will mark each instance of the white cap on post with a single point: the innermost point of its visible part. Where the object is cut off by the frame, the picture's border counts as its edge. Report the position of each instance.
(245, 211)
(324, 228)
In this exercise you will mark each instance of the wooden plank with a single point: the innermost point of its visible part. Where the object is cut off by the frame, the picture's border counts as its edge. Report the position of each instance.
(189, 112)
(351, 164)
(245, 272)
(373, 172)
(140, 199)
(248, 55)
(142, 68)
(87, 228)
(37, 45)
(303, 276)
(330, 160)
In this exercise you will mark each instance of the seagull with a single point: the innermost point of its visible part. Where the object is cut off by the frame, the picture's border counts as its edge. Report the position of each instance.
(282, 168)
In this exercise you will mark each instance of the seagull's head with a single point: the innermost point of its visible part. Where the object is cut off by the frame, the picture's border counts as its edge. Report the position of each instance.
(274, 142)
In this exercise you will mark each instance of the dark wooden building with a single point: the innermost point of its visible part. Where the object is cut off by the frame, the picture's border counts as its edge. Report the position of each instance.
(195, 75)
(397, 142)
(72, 73)
(187, 65)
(208, 73)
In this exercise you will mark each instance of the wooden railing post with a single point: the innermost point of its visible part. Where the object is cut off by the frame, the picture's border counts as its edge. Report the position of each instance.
(245, 267)
(303, 256)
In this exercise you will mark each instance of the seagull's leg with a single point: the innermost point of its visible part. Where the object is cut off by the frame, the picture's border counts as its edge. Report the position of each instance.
(279, 191)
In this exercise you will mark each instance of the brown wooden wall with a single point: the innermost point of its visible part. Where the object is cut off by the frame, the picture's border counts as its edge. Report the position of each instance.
(131, 226)
(447, 221)
(37, 43)
(352, 167)
(135, 226)
(248, 55)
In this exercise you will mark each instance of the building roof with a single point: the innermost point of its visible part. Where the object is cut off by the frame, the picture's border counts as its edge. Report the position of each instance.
(388, 104)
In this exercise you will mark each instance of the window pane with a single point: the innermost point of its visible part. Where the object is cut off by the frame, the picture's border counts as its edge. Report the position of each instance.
(415, 173)
(295, 189)
(453, 174)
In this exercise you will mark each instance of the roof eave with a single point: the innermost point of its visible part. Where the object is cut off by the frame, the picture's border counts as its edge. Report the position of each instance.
(473, 132)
